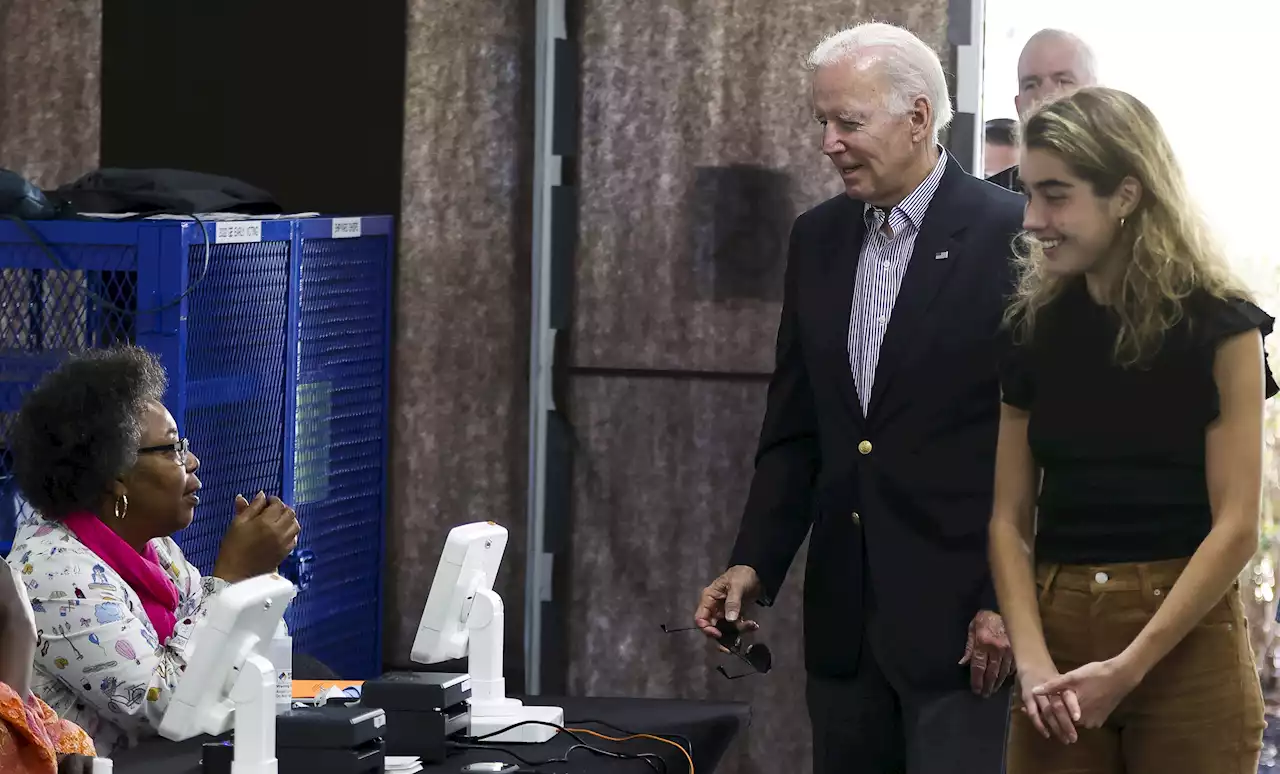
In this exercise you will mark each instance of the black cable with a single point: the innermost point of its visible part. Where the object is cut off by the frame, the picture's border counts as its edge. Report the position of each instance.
(654, 762)
(677, 738)
(495, 748)
(514, 726)
(35, 237)
(561, 729)
(475, 742)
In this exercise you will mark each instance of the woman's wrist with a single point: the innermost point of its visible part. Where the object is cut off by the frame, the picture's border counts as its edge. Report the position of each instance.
(228, 571)
(1033, 659)
(1135, 661)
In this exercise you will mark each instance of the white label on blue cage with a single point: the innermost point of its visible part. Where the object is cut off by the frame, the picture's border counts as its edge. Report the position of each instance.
(238, 231)
(346, 228)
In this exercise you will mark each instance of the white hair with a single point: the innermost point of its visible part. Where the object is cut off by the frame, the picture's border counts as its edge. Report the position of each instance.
(913, 69)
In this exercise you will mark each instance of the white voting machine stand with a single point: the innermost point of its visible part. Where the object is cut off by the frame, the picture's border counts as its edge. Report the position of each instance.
(230, 684)
(463, 618)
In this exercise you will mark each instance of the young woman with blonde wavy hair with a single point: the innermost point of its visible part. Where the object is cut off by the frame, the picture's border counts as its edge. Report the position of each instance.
(1129, 467)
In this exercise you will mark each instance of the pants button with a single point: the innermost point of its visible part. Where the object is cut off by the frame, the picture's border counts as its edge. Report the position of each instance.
(1101, 577)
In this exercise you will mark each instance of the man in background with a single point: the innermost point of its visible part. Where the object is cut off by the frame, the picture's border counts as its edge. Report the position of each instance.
(1001, 151)
(1052, 62)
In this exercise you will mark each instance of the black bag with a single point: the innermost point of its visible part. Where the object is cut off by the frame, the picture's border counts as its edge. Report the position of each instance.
(162, 191)
(20, 199)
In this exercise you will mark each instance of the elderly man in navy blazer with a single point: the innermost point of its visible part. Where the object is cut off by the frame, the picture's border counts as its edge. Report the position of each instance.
(879, 437)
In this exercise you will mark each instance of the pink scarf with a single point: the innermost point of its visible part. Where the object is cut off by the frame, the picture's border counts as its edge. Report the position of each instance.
(142, 572)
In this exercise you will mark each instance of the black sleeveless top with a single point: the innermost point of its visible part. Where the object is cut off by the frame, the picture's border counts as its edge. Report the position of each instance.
(1122, 449)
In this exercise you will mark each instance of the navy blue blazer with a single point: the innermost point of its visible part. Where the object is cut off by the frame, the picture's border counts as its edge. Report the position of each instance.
(898, 500)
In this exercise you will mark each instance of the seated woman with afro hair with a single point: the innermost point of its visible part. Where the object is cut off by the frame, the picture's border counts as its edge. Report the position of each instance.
(98, 457)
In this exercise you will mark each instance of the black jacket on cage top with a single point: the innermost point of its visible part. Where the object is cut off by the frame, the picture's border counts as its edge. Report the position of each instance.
(163, 191)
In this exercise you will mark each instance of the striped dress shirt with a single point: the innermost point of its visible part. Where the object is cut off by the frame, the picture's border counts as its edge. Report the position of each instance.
(882, 263)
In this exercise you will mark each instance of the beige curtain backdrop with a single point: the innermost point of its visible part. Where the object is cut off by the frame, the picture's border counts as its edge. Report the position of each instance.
(461, 363)
(698, 149)
(50, 103)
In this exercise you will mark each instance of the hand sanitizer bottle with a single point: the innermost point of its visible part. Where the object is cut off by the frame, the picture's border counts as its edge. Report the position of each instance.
(282, 660)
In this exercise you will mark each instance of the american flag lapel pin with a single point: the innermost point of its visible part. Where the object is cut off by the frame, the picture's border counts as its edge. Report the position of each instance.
(942, 256)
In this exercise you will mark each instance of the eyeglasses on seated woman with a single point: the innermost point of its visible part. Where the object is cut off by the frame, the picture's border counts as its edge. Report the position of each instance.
(99, 458)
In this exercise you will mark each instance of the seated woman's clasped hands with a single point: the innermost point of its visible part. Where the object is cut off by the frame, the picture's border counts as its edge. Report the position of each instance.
(261, 535)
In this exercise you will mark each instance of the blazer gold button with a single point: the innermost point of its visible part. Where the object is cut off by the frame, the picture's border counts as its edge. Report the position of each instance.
(865, 447)
(856, 518)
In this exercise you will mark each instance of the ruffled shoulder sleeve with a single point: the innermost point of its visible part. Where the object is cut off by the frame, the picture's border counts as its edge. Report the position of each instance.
(1017, 377)
(1224, 318)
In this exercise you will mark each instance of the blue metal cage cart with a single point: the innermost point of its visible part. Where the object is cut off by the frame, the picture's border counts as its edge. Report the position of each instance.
(276, 337)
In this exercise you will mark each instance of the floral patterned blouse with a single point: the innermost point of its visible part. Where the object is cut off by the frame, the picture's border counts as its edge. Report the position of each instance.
(99, 663)
(32, 736)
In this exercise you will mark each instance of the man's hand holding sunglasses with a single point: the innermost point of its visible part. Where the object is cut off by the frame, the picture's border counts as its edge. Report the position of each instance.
(723, 601)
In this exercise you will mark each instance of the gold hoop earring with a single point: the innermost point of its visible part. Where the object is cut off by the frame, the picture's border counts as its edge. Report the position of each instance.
(122, 507)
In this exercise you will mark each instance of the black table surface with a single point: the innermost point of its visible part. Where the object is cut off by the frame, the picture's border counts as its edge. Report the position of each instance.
(708, 726)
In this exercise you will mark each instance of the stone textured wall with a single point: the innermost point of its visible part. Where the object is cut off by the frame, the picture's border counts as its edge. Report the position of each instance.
(461, 363)
(698, 150)
(50, 104)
